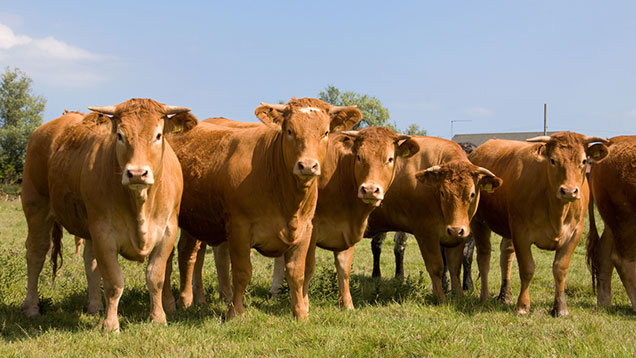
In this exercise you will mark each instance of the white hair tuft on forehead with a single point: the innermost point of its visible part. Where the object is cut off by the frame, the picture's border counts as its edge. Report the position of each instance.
(309, 109)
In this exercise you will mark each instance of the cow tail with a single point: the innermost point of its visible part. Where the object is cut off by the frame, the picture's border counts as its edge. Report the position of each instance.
(592, 245)
(57, 248)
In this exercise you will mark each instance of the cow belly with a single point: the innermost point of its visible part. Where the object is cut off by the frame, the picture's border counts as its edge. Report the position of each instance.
(335, 236)
(70, 212)
(271, 237)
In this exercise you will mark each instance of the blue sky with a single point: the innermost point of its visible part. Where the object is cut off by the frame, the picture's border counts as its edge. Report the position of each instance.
(490, 65)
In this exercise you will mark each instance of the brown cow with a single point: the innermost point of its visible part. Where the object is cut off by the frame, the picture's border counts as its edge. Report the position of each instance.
(435, 204)
(359, 170)
(256, 186)
(542, 201)
(113, 180)
(613, 184)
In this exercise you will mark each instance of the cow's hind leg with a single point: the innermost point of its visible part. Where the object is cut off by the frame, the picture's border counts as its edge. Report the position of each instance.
(239, 245)
(222, 263)
(467, 264)
(278, 276)
(38, 243)
(399, 245)
(376, 249)
(607, 253)
(506, 256)
(343, 261)
(481, 235)
(188, 247)
(626, 268)
(93, 279)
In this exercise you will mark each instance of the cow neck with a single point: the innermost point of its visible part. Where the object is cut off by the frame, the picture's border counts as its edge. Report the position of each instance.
(299, 198)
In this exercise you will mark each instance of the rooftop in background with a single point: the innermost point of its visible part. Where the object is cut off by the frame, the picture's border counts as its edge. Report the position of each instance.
(480, 138)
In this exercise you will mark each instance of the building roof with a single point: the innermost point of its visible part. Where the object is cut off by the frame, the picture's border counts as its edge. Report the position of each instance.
(480, 138)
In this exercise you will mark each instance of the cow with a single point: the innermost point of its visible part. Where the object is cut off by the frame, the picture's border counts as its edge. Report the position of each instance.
(542, 201)
(359, 169)
(399, 245)
(613, 185)
(109, 177)
(256, 187)
(434, 196)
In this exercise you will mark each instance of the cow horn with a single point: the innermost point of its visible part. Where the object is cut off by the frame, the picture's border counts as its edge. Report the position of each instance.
(354, 134)
(278, 107)
(174, 109)
(105, 110)
(485, 172)
(433, 169)
(336, 109)
(543, 139)
(595, 139)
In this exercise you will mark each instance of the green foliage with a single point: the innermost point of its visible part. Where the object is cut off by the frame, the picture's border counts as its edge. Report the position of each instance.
(20, 114)
(373, 113)
(414, 129)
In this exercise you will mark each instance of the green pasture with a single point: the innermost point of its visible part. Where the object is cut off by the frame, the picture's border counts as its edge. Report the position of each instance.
(393, 318)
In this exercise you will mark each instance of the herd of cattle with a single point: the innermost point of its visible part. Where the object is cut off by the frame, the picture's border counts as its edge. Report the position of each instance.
(127, 177)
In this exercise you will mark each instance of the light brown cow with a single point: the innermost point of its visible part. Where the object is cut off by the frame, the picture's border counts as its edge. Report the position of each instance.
(358, 171)
(435, 204)
(256, 186)
(613, 184)
(542, 201)
(112, 180)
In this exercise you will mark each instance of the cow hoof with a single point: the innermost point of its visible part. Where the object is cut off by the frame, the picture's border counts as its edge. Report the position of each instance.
(505, 298)
(523, 311)
(94, 308)
(111, 325)
(184, 303)
(31, 312)
(159, 318)
(559, 312)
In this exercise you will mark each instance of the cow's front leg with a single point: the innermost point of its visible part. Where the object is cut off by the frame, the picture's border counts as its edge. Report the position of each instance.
(239, 242)
(560, 268)
(481, 235)
(454, 257)
(93, 279)
(432, 256)
(506, 256)
(526, 272)
(310, 268)
(156, 269)
(222, 262)
(106, 252)
(343, 265)
(295, 259)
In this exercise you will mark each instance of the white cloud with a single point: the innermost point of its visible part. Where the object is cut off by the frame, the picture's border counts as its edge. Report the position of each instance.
(50, 60)
(478, 112)
(632, 113)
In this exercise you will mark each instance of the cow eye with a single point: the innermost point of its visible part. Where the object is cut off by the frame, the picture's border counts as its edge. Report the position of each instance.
(472, 195)
(358, 157)
(552, 161)
(289, 132)
(390, 160)
(120, 137)
(441, 192)
(158, 136)
(326, 134)
(585, 161)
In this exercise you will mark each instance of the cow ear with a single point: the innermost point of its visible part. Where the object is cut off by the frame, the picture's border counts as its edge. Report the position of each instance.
(344, 118)
(346, 140)
(541, 152)
(430, 176)
(487, 180)
(407, 148)
(597, 152)
(180, 123)
(271, 115)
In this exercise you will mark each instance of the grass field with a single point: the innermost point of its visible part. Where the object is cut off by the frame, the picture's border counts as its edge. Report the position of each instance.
(392, 318)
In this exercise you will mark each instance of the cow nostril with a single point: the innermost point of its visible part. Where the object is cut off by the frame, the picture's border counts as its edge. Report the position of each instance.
(363, 189)
(562, 191)
(461, 232)
(576, 190)
(377, 190)
(315, 166)
(129, 174)
(301, 166)
(448, 230)
(145, 173)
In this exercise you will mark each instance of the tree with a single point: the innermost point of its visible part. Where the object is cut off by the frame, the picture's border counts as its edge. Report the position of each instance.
(414, 129)
(373, 113)
(20, 114)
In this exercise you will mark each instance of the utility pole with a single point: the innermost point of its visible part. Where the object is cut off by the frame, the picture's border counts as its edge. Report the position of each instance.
(545, 119)
(453, 122)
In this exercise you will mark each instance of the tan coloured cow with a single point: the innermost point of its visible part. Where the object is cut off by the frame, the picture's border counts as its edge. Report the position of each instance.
(257, 187)
(358, 171)
(542, 201)
(613, 184)
(113, 180)
(435, 204)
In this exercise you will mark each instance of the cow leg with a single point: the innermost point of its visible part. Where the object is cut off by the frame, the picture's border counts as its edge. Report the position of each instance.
(295, 265)
(481, 235)
(240, 249)
(93, 279)
(156, 269)
(106, 253)
(607, 251)
(454, 257)
(38, 243)
(560, 268)
(626, 271)
(526, 272)
(278, 276)
(310, 268)
(78, 245)
(376, 249)
(399, 245)
(434, 264)
(188, 247)
(222, 263)
(467, 264)
(506, 257)
(166, 293)
(343, 261)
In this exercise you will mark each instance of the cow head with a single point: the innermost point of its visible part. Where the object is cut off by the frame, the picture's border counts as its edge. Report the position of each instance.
(457, 185)
(566, 156)
(304, 125)
(138, 127)
(376, 151)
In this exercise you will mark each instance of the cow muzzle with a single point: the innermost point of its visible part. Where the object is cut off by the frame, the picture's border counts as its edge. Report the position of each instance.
(307, 168)
(371, 194)
(137, 177)
(569, 193)
(457, 232)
